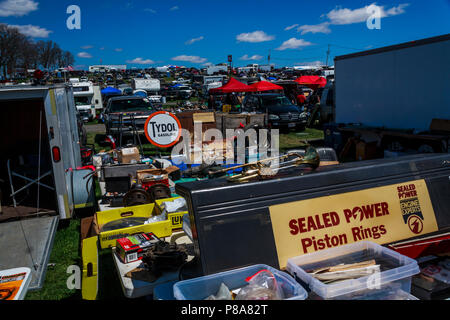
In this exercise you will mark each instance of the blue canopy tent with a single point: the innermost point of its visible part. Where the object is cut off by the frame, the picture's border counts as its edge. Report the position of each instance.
(141, 93)
(111, 91)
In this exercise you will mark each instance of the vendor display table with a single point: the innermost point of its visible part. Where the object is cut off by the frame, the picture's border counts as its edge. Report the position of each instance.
(136, 288)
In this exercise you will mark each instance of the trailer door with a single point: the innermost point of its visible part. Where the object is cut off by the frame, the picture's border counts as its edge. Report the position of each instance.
(28, 243)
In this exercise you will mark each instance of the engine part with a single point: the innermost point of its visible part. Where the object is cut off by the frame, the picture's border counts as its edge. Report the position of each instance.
(164, 256)
(124, 223)
(137, 197)
(158, 191)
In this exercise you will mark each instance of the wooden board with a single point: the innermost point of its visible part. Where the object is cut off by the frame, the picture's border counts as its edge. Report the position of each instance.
(204, 117)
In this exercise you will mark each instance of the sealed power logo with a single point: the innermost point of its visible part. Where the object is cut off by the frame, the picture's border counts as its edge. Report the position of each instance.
(163, 129)
(410, 206)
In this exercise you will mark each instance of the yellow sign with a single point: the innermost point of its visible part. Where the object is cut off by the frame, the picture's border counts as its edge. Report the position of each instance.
(382, 215)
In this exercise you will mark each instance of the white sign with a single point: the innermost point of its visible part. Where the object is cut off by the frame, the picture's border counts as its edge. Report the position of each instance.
(163, 129)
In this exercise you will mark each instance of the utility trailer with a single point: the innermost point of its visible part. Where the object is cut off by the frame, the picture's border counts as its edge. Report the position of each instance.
(42, 180)
(394, 97)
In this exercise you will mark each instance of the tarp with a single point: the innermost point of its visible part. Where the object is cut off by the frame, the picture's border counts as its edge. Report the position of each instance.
(265, 86)
(233, 86)
(111, 90)
(313, 82)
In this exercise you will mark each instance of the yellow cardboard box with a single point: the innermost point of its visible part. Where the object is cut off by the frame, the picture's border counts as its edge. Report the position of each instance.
(108, 239)
(176, 218)
(89, 280)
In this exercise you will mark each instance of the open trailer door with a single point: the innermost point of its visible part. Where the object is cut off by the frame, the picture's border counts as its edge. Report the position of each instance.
(36, 156)
(28, 243)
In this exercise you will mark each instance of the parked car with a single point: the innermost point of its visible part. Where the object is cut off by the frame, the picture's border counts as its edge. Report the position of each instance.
(170, 93)
(127, 113)
(282, 113)
(184, 92)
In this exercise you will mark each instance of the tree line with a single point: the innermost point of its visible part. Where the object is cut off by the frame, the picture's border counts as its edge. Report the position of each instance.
(19, 51)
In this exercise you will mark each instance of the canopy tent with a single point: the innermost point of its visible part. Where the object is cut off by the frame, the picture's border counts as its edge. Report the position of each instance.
(233, 86)
(313, 82)
(111, 90)
(265, 86)
(140, 93)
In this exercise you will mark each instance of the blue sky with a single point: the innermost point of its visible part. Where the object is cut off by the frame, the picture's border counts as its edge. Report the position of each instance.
(146, 33)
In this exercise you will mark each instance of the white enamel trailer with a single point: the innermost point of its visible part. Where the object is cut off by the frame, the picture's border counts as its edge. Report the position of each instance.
(396, 96)
(403, 86)
(42, 181)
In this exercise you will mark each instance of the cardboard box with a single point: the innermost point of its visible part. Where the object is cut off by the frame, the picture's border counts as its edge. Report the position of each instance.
(128, 155)
(176, 218)
(174, 173)
(146, 176)
(92, 226)
(133, 248)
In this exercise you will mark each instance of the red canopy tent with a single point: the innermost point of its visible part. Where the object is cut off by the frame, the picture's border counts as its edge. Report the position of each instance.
(313, 82)
(265, 86)
(233, 86)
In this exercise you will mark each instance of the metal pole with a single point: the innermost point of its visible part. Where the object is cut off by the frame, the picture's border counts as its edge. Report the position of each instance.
(328, 54)
(39, 160)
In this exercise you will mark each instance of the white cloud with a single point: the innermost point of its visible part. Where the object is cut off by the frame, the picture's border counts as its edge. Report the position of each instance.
(311, 63)
(140, 61)
(84, 55)
(193, 59)
(343, 16)
(256, 36)
(118, 50)
(87, 47)
(174, 8)
(102, 48)
(294, 43)
(17, 8)
(150, 10)
(194, 40)
(33, 31)
(291, 27)
(254, 57)
(400, 9)
(317, 28)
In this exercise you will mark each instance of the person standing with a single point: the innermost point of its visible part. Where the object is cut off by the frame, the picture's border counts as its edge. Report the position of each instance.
(301, 99)
(211, 102)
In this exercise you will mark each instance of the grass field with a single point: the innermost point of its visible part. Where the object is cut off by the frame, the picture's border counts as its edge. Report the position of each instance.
(67, 250)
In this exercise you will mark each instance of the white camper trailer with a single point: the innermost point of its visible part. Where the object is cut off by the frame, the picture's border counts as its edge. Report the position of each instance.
(83, 93)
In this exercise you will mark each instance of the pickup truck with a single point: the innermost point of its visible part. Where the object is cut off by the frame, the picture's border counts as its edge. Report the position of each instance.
(282, 113)
(125, 112)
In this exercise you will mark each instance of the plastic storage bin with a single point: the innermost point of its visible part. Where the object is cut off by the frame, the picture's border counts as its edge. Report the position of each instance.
(387, 292)
(394, 269)
(203, 287)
